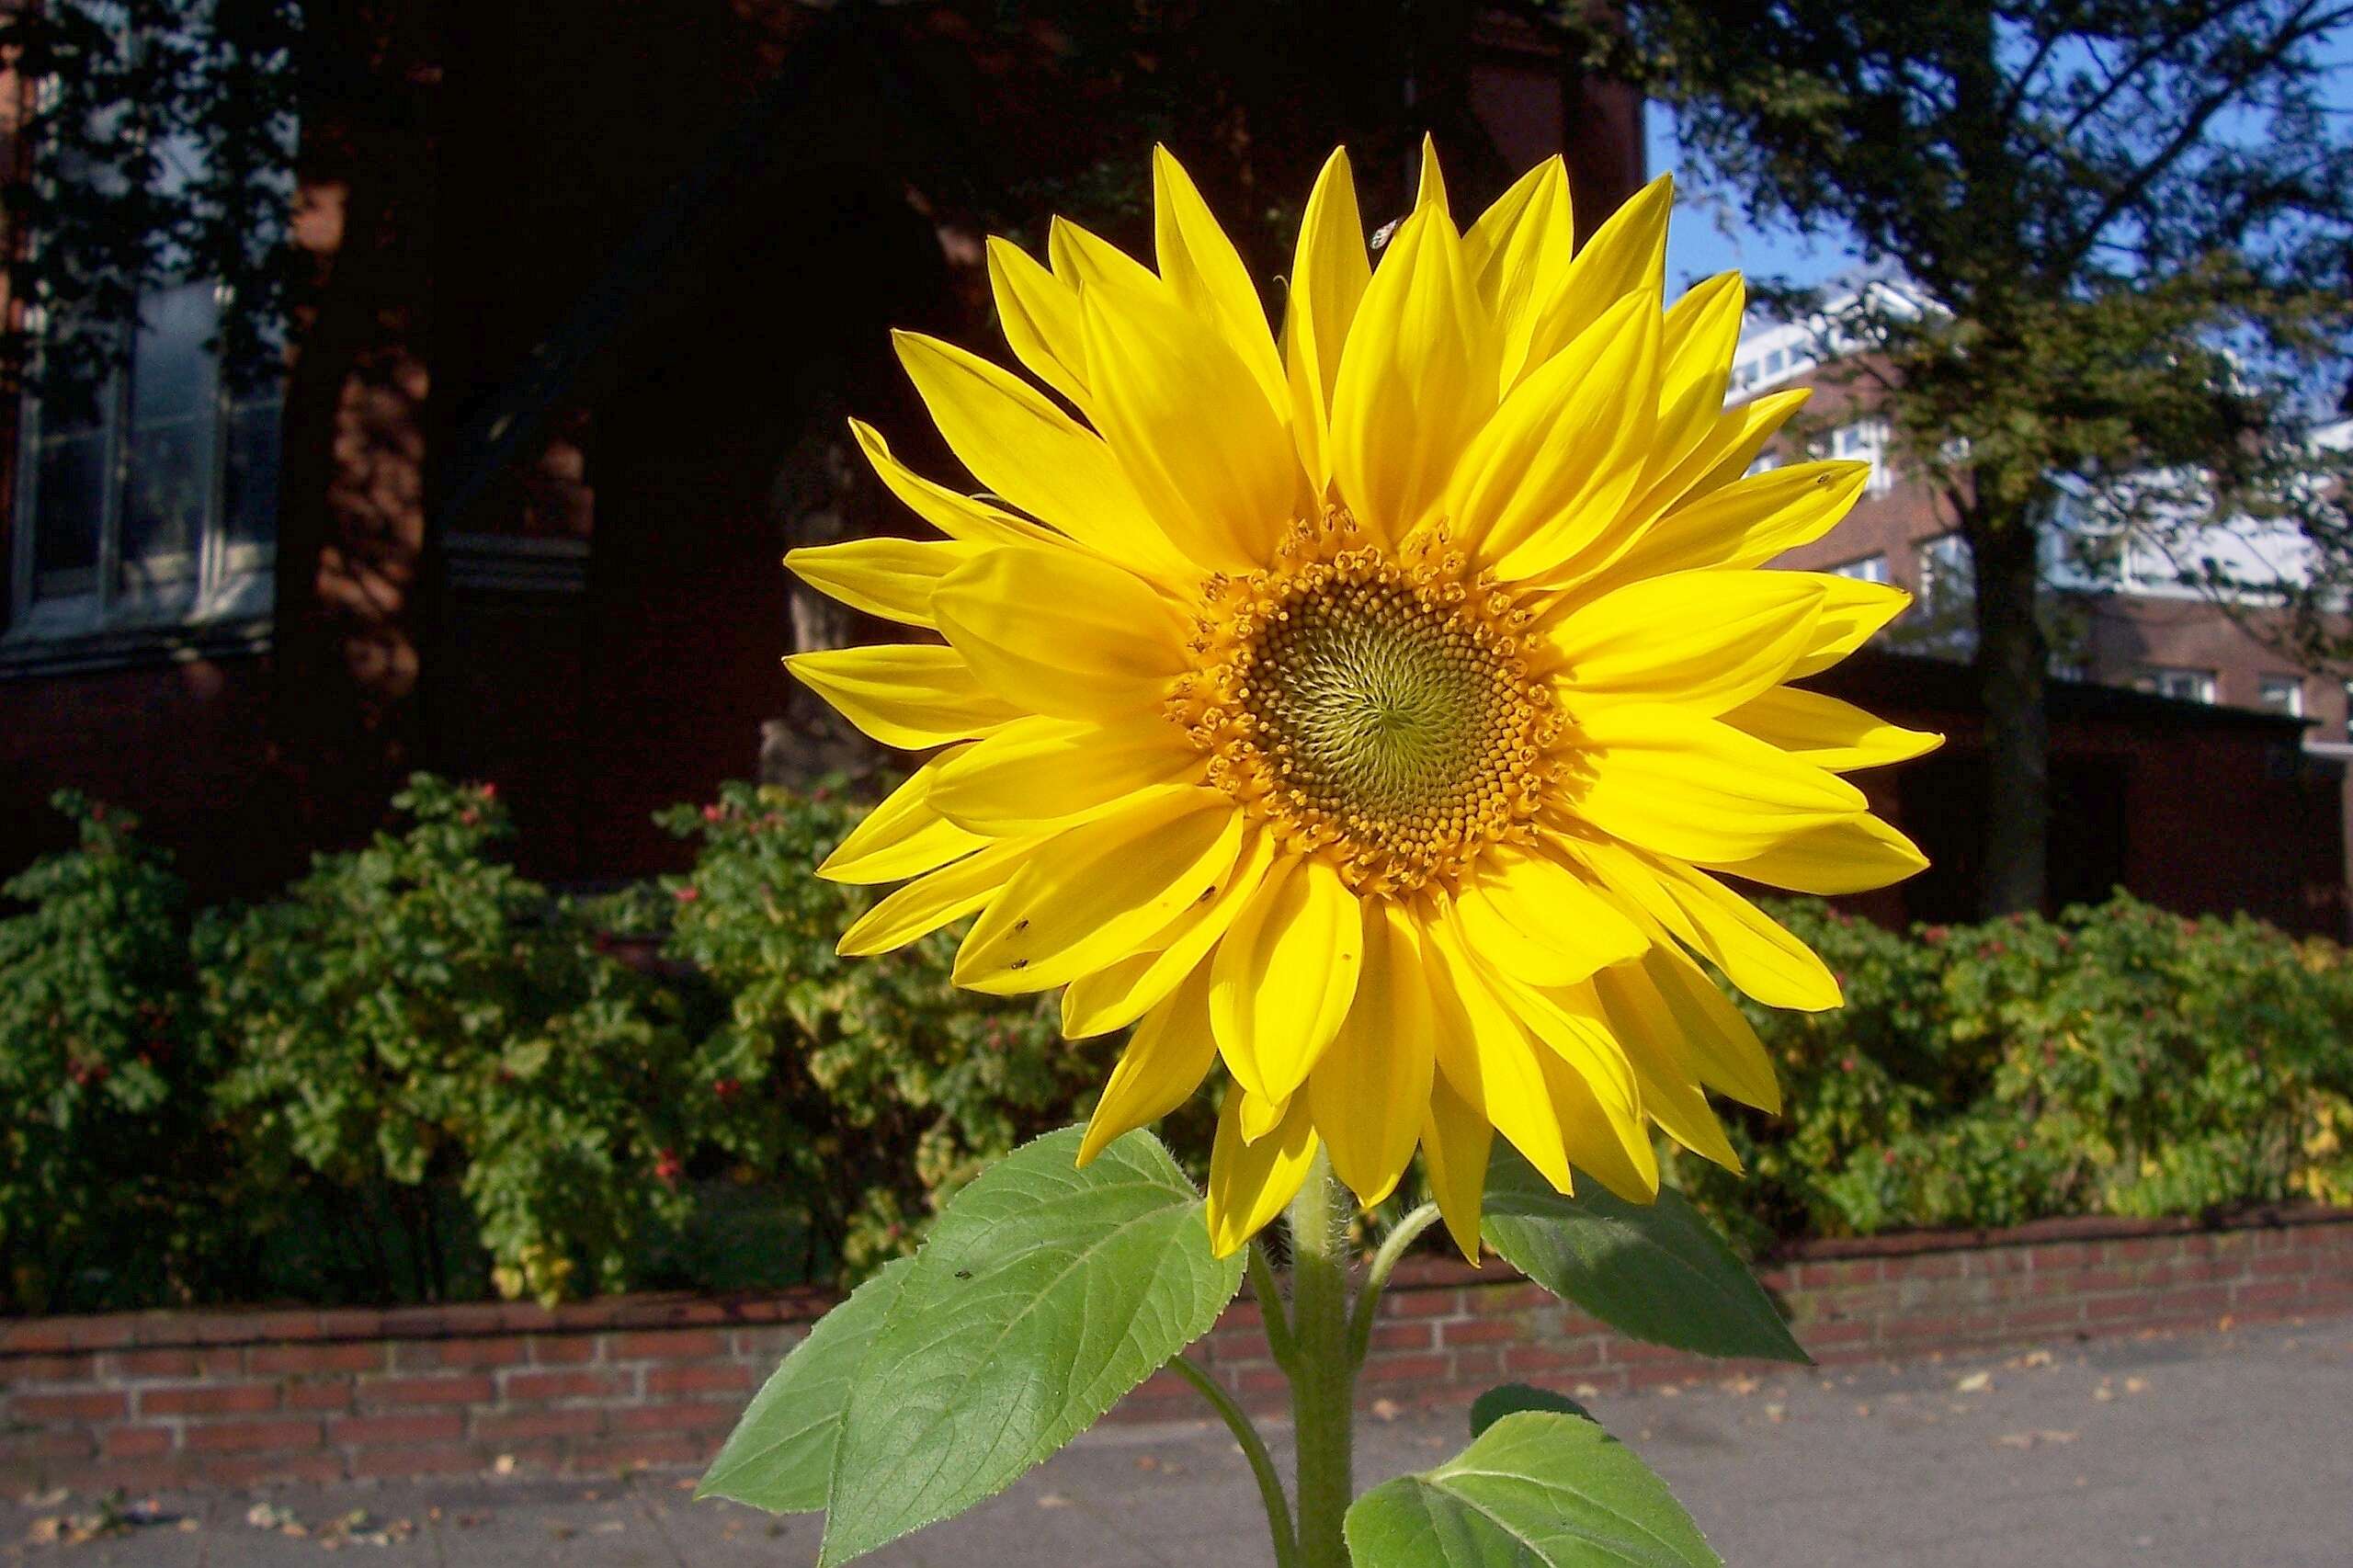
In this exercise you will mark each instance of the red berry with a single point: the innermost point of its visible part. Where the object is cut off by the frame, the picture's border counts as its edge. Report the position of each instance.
(689, 894)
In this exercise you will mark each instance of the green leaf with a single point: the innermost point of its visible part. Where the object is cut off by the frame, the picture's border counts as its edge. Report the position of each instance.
(1653, 1270)
(1539, 1489)
(1510, 1399)
(780, 1455)
(1044, 1294)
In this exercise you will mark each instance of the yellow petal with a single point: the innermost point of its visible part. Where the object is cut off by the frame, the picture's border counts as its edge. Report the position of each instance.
(1696, 349)
(1521, 250)
(1602, 1140)
(1852, 611)
(1418, 378)
(1746, 522)
(1094, 893)
(1826, 732)
(1721, 1047)
(1667, 1061)
(1250, 1182)
(889, 577)
(1034, 455)
(928, 903)
(1083, 259)
(1567, 1020)
(905, 695)
(1115, 995)
(958, 516)
(1702, 640)
(1040, 315)
(1753, 949)
(902, 836)
(1040, 772)
(1430, 192)
(1373, 1087)
(1696, 788)
(1457, 1139)
(1535, 918)
(1626, 256)
(1259, 1117)
(1201, 446)
(1165, 1061)
(1489, 1057)
(1063, 633)
(1720, 457)
(1852, 857)
(1548, 473)
(1284, 976)
(1328, 279)
(1200, 264)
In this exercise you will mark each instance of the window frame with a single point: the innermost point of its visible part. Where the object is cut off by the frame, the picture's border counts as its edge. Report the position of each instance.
(232, 581)
(234, 587)
(2207, 683)
(2265, 683)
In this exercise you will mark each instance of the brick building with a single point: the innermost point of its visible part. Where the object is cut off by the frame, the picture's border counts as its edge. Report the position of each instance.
(596, 286)
(2133, 631)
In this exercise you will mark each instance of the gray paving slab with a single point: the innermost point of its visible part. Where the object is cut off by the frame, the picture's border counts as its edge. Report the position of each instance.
(2192, 1451)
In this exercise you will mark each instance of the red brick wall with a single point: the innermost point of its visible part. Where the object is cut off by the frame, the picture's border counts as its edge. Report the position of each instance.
(235, 1397)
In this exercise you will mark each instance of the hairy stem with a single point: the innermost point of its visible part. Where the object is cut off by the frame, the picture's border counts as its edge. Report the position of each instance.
(1322, 1375)
(1254, 1448)
(1392, 1247)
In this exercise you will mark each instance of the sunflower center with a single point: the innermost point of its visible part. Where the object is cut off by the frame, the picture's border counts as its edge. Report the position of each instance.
(1371, 707)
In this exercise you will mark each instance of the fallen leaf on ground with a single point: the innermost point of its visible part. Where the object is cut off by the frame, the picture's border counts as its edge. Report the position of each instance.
(2033, 1440)
(1976, 1382)
(1054, 1500)
(1386, 1409)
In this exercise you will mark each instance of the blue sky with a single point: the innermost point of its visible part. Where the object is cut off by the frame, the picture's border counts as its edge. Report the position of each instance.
(1710, 235)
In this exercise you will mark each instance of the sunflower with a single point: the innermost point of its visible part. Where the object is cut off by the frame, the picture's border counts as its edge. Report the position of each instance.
(1375, 709)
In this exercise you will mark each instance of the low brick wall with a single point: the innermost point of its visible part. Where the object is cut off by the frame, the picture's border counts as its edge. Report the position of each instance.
(157, 1399)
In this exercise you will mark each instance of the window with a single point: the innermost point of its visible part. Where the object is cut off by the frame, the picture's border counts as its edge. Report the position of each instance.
(1743, 375)
(1764, 463)
(2282, 694)
(1946, 578)
(1865, 442)
(1777, 361)
(1869, 569)
(2183, 685)
(152, 503)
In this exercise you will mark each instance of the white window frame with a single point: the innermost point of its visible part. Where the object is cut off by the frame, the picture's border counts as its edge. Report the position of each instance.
(234, 587)
(232, 582)
(2294, 684)
(2182, 684)
(1872, 568)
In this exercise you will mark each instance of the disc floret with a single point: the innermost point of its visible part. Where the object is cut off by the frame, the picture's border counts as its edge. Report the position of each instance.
(1371, 706)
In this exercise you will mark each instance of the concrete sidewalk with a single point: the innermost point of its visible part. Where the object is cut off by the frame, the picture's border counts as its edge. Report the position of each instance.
(2191, 1451)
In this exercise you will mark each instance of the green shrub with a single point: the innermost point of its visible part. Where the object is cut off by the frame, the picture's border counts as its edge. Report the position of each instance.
(101, 1152)
(872, 1086)
(2119, 1060)
(416, 1022)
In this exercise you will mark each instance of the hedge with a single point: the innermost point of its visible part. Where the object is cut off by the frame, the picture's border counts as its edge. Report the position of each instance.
(419, 1075)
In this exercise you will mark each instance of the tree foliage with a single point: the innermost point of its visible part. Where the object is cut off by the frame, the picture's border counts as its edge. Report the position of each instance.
(161, 145)
(2130, 222)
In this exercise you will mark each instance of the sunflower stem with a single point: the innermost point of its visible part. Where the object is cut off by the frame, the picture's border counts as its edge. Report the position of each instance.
(1254, 1448)
(1323, 1374)
(1273, 1315)
(1384, 1262)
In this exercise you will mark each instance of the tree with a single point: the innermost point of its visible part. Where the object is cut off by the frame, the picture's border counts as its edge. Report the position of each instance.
(2133, 222)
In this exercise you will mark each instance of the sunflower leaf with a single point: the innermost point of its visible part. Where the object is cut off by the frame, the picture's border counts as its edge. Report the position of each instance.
(780, 1455)
(1656, 1271)
(1539, 1489)
(1044, 1294)
(1512, 1398)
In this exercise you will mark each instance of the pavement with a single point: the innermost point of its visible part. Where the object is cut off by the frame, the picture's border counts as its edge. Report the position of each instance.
(2192, 1450)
